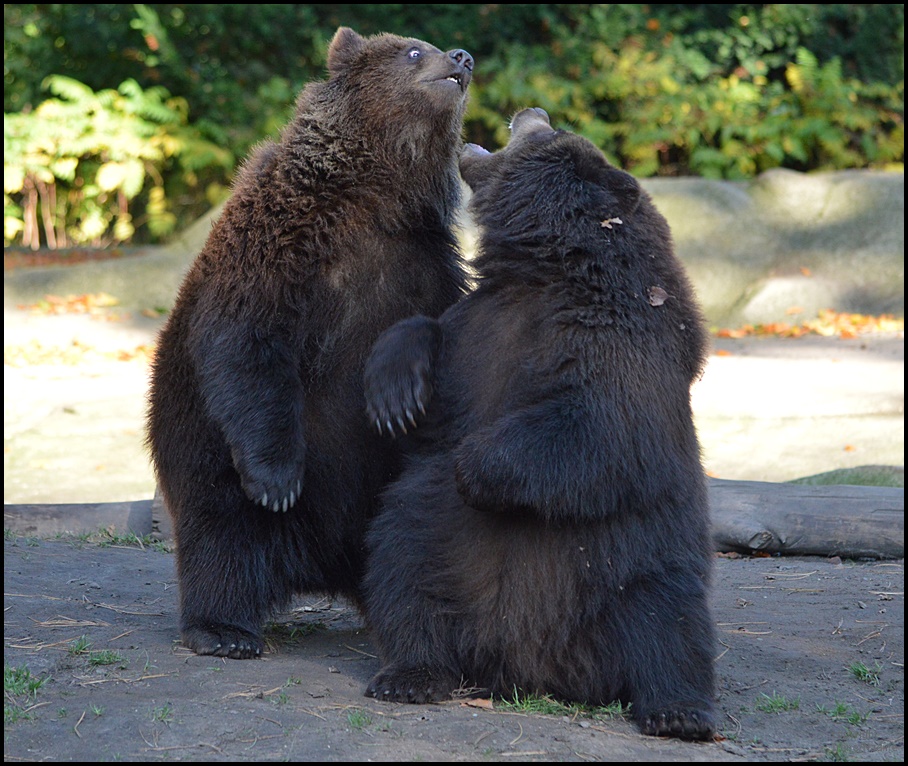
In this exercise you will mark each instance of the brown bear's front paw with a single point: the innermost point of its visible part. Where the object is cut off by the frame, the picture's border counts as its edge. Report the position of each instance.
(681, 722)
(276, 487)
(223, 641)
(414, 685)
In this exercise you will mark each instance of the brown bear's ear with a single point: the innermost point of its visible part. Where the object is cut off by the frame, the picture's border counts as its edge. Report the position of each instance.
(344, 47)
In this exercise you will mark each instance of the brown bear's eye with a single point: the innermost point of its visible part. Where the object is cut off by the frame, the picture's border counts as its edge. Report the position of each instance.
(414, 53)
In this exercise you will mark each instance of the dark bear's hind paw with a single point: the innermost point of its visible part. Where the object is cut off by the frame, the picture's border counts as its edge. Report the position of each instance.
(414, 685)
(223, 641)
(682, 722)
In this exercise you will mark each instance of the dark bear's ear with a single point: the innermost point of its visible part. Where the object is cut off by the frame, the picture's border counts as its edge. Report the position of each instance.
(344, 47)
(625, 187)
(621, 189)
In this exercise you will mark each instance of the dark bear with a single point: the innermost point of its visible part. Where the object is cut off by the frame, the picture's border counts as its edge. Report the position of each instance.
(549, 532)
(256, 423)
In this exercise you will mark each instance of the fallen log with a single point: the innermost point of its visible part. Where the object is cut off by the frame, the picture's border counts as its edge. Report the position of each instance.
(747, 517)
(794, 519)
(55, 519)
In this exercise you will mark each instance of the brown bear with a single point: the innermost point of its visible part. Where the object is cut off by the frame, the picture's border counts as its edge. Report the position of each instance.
(550, 530)
(256, 421)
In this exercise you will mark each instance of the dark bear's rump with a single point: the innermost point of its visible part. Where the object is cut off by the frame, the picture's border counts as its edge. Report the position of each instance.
(505, 602)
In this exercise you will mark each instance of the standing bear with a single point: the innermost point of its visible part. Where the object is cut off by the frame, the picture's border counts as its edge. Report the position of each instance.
(549, 532)
(256, 421)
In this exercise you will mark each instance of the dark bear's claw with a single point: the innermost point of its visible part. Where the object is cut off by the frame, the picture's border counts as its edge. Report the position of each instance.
(412, 685)
(223, 641)
(690, 723)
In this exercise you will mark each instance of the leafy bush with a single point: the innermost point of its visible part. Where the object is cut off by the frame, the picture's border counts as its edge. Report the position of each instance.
(89, 168)
(724, 91)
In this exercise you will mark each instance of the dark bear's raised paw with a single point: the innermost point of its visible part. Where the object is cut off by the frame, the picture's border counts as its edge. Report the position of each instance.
(399, 373)
(414, 685)
(223, 641)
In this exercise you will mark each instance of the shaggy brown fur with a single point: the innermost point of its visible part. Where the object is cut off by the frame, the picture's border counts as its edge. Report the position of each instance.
(256, 422)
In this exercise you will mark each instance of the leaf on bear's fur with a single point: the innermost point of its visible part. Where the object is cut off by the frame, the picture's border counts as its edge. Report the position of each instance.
(607, 223)
(657, 296)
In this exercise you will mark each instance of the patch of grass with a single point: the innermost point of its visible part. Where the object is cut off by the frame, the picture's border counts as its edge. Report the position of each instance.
(860, 671)
(358, 719)
(82, 645)
(105, 657)
(546, 705)
(162, 714)
(280, 699)
(861, 476)
(20, 688)
(837, 753)
(776, 703)
(842, 711)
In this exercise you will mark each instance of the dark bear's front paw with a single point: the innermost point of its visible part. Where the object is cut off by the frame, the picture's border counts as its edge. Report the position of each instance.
(682, 722)
(394, 403)
(398, 375)
(223, 641)
(273, 486)
(414, 685)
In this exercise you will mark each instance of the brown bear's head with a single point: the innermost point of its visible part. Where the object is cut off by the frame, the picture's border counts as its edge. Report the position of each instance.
(398, 81)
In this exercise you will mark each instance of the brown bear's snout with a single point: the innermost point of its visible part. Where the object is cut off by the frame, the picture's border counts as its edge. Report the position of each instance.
(462, 58)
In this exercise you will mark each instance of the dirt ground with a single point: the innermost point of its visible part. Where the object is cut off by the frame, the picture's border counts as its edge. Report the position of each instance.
(810, 668)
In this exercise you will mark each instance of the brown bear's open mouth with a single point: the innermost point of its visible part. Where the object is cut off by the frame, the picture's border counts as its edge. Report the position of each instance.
(455, 77)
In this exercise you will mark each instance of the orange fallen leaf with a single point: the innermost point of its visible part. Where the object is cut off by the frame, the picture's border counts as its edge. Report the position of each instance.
(485, 704)
(805, 271)
(850, 448)
(722, 352)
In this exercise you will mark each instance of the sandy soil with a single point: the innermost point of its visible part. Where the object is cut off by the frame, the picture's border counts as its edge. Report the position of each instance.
(810, 667)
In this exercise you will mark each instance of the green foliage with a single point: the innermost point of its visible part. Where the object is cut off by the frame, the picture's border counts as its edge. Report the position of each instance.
(74, 166)
(723, 91)
(20, 690)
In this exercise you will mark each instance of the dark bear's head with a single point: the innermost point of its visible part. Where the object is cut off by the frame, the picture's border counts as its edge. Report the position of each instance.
(396, 82)
(546, 184)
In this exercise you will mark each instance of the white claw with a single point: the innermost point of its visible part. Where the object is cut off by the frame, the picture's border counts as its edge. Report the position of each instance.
(422, 409)
(292, 498)
(265, 500)
(276, 506)
(299, 488)
(284, 505)
(389, 427)
(411, 418)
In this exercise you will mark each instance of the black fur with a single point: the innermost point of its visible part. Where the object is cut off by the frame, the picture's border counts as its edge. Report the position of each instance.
(256, 423)
(550, 530)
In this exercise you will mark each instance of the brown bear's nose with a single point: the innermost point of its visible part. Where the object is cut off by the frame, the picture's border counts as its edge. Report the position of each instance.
(463, 58)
